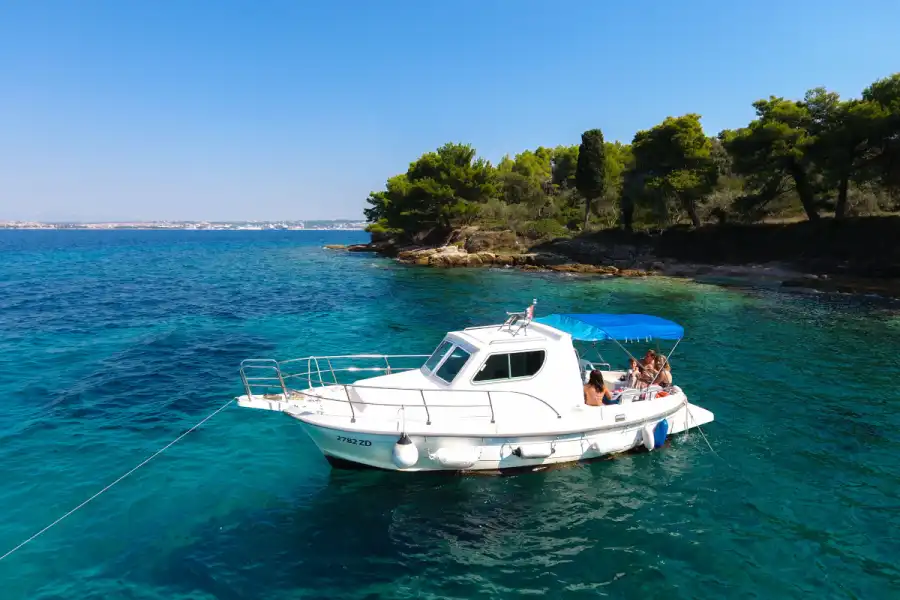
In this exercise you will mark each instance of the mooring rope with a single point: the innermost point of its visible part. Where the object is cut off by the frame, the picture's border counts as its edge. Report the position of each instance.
(98, 494)
(708, 445)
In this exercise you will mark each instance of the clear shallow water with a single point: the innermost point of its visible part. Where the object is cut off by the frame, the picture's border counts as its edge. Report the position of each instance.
(113, 343)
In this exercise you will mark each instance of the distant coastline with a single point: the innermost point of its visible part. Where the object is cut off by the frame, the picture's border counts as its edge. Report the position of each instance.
(311, 225)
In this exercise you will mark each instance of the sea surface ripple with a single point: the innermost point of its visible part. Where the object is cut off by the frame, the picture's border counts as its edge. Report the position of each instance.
(113, 343)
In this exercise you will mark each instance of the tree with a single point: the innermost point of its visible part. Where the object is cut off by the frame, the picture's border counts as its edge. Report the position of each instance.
(534, 165)
(564, 162)
(841, 140)
(775, 145)
(618, 161)
(884, 160)
(590, 173)
(674, 162)
(439, 189)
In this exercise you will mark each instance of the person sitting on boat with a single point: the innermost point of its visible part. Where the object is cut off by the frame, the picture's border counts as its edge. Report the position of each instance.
(632, 374)
(665, 371)
(647, 375)
(649, 359)
(595, 390)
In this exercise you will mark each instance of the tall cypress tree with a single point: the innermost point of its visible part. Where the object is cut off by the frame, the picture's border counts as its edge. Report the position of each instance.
(590, 174)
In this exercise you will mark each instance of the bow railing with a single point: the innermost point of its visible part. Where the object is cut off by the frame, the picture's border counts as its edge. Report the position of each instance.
(272, 379)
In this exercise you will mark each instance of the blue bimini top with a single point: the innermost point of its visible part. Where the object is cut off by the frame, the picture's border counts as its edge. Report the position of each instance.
(598, 327)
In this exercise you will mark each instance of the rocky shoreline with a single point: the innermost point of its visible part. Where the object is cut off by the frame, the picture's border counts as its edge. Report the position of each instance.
(473, 249)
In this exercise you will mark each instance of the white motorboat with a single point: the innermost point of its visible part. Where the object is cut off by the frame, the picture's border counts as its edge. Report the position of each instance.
(491, 398)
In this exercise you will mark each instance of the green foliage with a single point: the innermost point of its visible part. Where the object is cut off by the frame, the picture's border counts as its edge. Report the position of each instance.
(544, 229)
(564, 162)
(439, 190)
(884, 145)
(674, 160)
(818, 153)
(774, 146)
(590, 172)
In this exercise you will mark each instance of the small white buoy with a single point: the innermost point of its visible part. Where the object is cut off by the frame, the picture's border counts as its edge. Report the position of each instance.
(405, 453)
(647, 436)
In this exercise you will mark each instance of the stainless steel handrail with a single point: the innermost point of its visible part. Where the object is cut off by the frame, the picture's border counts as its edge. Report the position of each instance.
(279, 374)
(278, 378)
(407, 405)
(424, 404)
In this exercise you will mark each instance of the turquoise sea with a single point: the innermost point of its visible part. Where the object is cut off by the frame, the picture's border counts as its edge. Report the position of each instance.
(113, 343)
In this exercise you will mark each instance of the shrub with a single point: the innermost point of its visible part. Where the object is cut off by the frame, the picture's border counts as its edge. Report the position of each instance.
(544, 229)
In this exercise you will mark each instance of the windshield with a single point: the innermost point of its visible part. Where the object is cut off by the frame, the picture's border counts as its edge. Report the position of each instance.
(453, 364)
(435, 359)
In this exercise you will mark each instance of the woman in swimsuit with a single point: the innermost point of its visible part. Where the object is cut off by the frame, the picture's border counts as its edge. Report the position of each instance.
(665, 371)
(595, 390)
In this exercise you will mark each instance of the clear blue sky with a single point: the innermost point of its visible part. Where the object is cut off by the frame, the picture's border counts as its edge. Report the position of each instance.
(293, 109)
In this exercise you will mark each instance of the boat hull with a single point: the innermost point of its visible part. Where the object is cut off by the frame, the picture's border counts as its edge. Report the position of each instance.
(467, 453)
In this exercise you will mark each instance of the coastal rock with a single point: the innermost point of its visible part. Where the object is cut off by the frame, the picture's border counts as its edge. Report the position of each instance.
(548, 259)
(622, 252)
(478, 241)
(584, 269)
(335, 246)
(415, 254)
(504, 259)
(633, 273)
(452, 259)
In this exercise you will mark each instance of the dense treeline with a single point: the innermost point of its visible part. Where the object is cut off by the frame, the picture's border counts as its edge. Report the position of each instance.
(817, 156)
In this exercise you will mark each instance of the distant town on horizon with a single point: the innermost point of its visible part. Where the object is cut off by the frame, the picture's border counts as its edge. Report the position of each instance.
(310, 224)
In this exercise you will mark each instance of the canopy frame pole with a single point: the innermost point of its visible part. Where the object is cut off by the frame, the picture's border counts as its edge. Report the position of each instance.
(625, 350)
(603, 361)
(665, 362)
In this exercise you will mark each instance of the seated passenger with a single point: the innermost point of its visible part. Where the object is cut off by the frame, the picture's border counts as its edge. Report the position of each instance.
(665, 371)
(647, 375)
(649, 359)
(595, 390)
(632, 374)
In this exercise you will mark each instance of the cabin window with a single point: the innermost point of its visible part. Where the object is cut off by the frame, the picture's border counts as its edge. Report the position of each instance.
(435, 359)
(495, 367)
(510, 366)
(525, 364)
(453, 364)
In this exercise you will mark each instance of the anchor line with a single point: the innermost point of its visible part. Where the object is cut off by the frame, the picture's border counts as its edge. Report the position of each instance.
(109, 486)
(700, 429)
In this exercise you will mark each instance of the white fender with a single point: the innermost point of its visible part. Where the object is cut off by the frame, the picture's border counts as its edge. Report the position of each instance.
(535, 450)
(405, 453)
(461, 457)
(647, 436)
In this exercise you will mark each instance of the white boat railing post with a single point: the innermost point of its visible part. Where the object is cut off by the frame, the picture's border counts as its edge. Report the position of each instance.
(425, 404)
(246, 385)
(330, 368)
(491, 404)
(281, 381)
(350, 402)
(318, 371)
(387, 365)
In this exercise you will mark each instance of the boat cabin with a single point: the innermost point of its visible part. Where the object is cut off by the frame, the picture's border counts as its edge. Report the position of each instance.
(521, 365)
